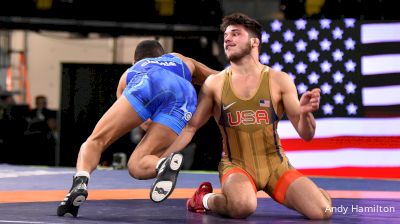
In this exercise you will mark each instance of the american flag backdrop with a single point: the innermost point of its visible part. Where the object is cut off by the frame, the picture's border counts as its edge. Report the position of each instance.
(357, 67)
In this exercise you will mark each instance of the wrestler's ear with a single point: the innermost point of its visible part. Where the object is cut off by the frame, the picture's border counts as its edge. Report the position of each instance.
(254, 42)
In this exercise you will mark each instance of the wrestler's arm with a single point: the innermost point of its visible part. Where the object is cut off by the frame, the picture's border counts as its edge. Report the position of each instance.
(200, 71)
(121, 84)
(300, 111)
(200, 117)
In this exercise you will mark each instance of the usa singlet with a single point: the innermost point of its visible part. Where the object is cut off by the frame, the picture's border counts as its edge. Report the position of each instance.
(250, 139)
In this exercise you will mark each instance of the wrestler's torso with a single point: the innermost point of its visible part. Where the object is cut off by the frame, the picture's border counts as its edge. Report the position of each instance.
(248, 122)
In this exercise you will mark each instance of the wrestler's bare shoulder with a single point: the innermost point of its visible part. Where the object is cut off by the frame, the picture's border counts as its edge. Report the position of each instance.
(215, 80)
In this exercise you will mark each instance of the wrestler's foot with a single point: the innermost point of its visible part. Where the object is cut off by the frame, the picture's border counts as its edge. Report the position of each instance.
(167, 173)
(76, 196)
(195, 204)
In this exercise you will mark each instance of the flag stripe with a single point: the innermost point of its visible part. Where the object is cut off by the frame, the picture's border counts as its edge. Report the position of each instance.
(369, 172)
(382, 111)
(380, 53)
(380, 48)
(381, 80)
(331, 127)
(381, 96)
(392, 142)
(330, 158)
(376, 33)
(380, 64)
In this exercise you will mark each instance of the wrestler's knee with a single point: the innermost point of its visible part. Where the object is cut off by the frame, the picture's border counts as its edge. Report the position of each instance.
(93, 145)
(134, 171)
(323, 210)
(319, 213)
(327, 211)
(242, 209)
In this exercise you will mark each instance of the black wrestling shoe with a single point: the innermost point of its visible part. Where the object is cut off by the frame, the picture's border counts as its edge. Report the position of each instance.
(167, 173)
(76, 196)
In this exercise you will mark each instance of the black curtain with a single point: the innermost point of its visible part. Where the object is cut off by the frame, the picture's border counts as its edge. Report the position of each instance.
(208, 138)
(87, 91)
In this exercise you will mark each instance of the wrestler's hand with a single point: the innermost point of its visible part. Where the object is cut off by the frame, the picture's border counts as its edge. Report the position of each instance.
(309, 101)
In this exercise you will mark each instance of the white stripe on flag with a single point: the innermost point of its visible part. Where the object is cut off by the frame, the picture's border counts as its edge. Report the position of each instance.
(381, 96)
(331, 127)
(380, 64)
(376, 33)
(345, 157)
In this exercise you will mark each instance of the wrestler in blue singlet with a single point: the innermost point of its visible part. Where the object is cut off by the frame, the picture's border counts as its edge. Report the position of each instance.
(160, 89)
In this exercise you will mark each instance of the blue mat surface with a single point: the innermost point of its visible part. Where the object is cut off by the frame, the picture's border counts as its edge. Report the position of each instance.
(14, 178)
(174, 211)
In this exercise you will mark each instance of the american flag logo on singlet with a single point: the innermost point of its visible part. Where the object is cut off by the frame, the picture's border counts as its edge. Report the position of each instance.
(264, 103)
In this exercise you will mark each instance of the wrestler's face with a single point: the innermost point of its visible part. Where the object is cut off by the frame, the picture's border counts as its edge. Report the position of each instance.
(237, 42)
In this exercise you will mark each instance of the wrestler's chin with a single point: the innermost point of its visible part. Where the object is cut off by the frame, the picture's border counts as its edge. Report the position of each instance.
(233, 57)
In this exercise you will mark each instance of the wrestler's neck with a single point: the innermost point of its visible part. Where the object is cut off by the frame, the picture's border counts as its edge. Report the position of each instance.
(247, 65)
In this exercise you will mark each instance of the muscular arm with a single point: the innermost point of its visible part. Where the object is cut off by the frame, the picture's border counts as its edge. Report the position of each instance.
(300, 112)
(121, 84)
(200, 117)
(200, 71)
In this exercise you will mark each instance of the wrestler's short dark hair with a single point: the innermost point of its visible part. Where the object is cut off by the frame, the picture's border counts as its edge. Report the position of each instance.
(252, 25)
(148, 49)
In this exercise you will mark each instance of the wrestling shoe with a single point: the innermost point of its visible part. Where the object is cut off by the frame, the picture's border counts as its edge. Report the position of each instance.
(167, 174)
(195, 204)
(76, 196)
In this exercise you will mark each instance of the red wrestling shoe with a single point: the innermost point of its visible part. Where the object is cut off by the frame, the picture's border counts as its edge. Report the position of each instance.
(195, 204)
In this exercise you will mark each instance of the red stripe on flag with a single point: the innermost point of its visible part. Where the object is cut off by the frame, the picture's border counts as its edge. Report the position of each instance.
(367, 172)
(342, 142)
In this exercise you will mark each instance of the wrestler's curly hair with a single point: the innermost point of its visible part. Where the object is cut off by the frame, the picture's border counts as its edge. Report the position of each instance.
(252, 25)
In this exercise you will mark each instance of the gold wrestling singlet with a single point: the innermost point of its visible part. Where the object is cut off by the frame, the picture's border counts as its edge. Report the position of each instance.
(250, 139)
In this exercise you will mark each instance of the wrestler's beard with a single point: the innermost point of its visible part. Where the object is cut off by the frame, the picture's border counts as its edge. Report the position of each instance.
(239, 55)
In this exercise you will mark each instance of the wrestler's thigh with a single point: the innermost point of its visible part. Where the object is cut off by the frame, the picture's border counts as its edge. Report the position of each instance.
(118, 120)
(239, 190)
(156, 140)
(304, 196)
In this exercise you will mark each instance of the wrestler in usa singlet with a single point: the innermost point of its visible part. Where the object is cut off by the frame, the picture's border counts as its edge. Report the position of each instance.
(250, 139)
